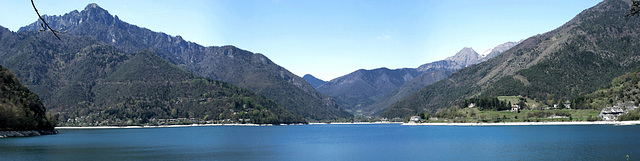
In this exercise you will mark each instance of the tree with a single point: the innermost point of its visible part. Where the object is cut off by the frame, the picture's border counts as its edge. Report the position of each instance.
(522, 104)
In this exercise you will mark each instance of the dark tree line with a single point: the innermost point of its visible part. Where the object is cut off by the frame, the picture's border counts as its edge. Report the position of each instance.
(488, 103)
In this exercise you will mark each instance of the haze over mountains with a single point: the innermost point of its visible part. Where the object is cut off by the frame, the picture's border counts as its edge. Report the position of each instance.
(227, 63)
(367, 92)
(580, 56)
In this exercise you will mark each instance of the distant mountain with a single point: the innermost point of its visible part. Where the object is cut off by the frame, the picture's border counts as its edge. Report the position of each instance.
(227, 63)
(315, 82)
(581, 56)
(465, 57)
(90, 83)
(427, 77)
(359, 89)
(495, 51)
(20, 109)
(368, 92)
(441, 64)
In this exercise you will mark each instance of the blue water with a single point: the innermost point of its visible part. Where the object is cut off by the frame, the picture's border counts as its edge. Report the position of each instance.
(333, 142)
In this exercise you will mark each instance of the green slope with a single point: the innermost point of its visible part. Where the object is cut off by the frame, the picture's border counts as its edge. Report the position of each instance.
(242, 68)
(147, 86)
(20, 109)
(622, 89)
(89, 83)
(623, 92)
(581, 56)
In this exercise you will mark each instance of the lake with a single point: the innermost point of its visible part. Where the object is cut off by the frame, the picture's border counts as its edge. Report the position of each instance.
(333, 142)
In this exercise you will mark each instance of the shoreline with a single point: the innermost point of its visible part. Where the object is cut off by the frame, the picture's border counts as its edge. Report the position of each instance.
(198, 125)
(619, 123)
(354, 123)
(527, 123)
(160, 126)
(26, 133)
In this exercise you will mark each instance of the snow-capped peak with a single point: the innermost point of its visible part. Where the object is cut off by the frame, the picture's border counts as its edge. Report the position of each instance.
(486, 52)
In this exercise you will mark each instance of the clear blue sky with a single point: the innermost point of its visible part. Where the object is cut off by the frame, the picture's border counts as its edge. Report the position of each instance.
(330, 38)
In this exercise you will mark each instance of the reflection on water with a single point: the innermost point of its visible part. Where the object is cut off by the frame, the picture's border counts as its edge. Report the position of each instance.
(332, 142)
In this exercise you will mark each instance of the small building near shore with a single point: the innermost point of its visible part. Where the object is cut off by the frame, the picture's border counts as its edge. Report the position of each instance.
(567, 104)
(515, 108)
(472, 105)
(415, 119)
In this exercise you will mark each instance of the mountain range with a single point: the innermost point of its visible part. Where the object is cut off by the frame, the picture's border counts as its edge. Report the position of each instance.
(579, 57)
(107, 72)
(359, 89)
(88, 83)
(368, 92)
(225, 63)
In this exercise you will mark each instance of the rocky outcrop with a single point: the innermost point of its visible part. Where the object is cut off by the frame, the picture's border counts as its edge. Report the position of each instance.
(4, 134)
(465, 57)
(495, 51)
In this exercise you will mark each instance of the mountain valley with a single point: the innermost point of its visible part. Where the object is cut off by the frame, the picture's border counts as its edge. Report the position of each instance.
(368, 92)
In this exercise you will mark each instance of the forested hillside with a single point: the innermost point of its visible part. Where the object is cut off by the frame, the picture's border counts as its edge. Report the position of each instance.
(624, 89)
(87, 83)
(20, 109)
(230, 64)
(356, 91)
(581, 56)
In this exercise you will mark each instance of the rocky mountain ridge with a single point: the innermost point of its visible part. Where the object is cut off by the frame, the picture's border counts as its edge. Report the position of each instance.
(88, 83)
(225, 63)
(581, 56)
(368, 92)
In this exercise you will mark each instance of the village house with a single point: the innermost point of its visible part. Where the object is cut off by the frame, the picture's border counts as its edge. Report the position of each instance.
(472, 105)
(567, 104)
(514, 108)
(415, 119)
